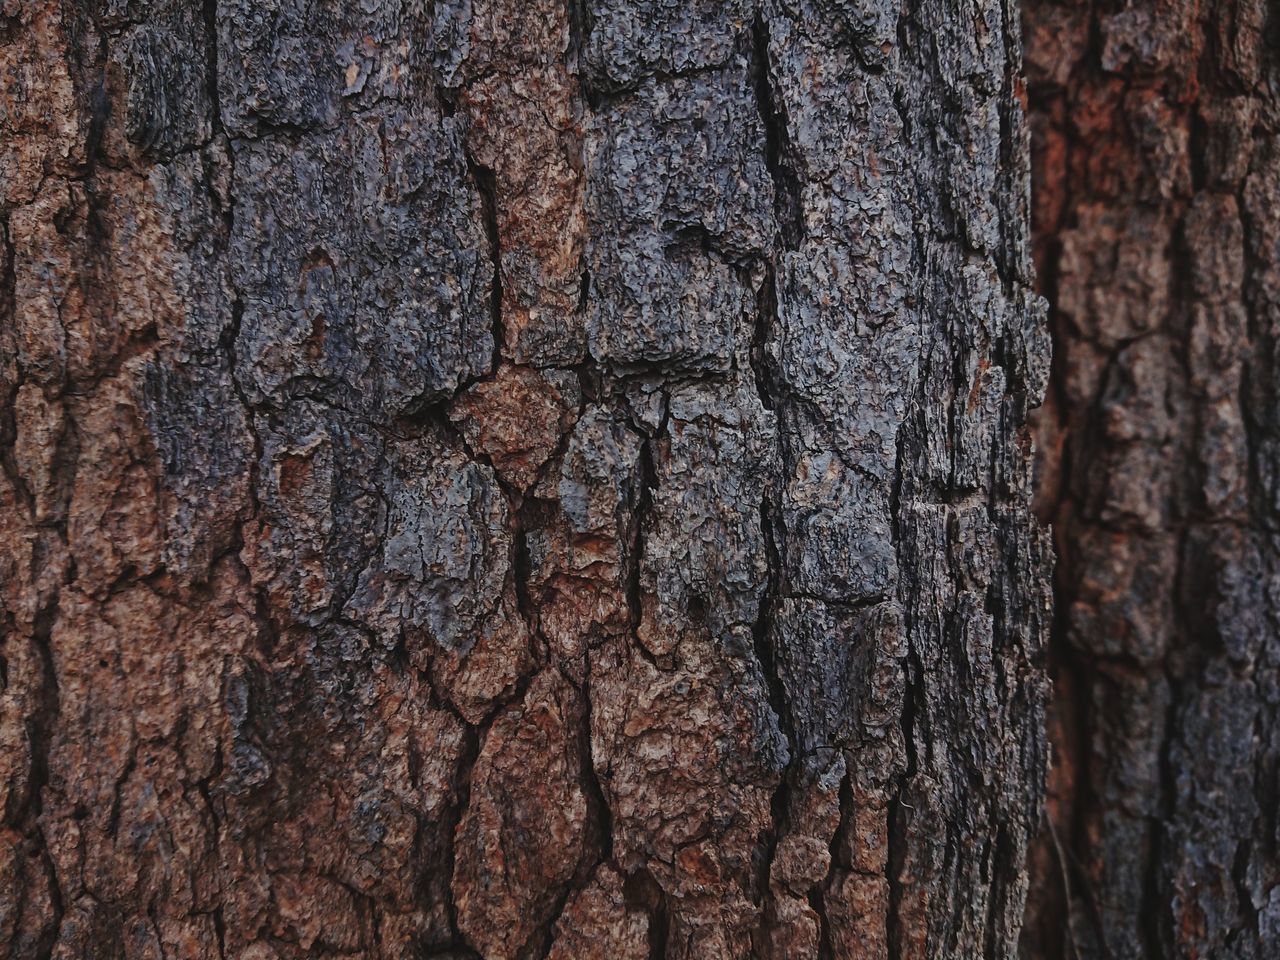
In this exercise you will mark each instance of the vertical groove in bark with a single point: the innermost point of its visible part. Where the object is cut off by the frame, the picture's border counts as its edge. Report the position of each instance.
(516, 480)
(1155, 161)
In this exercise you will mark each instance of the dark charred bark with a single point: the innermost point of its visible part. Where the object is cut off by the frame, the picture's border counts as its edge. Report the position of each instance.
(1157, 223)
(512, 479)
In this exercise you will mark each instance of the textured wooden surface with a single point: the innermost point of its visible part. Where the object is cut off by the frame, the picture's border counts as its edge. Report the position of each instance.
(1157, 224)
(516, 479)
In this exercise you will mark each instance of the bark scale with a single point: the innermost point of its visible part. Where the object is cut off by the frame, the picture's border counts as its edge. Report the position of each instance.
(512, 479)
(1157, 225)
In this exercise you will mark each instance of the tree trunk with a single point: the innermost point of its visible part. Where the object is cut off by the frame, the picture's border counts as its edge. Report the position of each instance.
(1157, 168)
(508, 478)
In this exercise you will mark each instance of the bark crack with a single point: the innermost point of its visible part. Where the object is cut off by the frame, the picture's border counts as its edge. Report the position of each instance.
(209, 10)
(788, 187)
(486, 185)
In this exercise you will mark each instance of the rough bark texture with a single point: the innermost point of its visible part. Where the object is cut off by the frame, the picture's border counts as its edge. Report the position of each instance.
(1157, 219)
(509, 479)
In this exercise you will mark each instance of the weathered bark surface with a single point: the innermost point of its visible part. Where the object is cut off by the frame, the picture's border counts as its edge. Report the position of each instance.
(1157, 219)
(513, 479)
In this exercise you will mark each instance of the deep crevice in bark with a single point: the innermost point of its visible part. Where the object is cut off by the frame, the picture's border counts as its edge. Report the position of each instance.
(209, 11)
(648, 482)
(787, 186)
(641, 890)
(486, 185)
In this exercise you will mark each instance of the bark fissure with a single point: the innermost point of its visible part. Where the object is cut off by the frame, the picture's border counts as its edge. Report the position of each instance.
(787, 184)
(485, 183)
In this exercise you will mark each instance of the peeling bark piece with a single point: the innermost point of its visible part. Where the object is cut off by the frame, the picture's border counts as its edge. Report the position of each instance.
(803, 857)
(377, 289)
(366, 797)
(515, 421)
(113, 525)
(489, 671)
(845, 667)
(158, 80)
(201, 435)
(43, 121)
(1115, 274)
(38, 426)
(578, 569)
(443, 560)
(598, 924)
(856, 904)
(135, 783)
(632, 40)
(704, 566)
(87, 293)
(687, 761)
(523, 835)
(1123, 592)
(658, 293)
(520, 98)
(296, 64)
(318, 507)
(839, 541)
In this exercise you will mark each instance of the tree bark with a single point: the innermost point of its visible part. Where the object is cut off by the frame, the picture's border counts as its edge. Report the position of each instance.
(509, 479)
(1157, 224)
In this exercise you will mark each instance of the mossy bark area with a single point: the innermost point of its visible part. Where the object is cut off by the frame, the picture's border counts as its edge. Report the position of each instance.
(518, 479)
(1157, 232)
